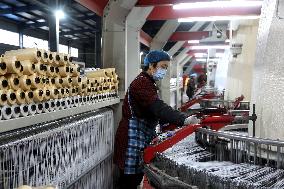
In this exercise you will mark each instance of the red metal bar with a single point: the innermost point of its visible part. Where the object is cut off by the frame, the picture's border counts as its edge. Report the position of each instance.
(150, 152)
(145, 38)
(217, 119)
(185, 36)
(217, 122)
(187, 105)
(96, 6)
(167, 12)
(214, 122)
(192, 52)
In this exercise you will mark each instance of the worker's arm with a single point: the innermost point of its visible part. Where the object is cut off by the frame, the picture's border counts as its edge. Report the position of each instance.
(166, 113)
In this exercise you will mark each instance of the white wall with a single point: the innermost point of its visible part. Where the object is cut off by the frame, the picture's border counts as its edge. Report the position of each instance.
(222, 71)
(268, 73)
(239, 79)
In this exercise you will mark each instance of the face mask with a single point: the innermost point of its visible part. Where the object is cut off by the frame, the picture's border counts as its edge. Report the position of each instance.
(159, 74)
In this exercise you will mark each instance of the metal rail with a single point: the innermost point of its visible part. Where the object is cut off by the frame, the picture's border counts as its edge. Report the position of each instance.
(228, 146)
(230, 135)
(8, 125)
(234, 127)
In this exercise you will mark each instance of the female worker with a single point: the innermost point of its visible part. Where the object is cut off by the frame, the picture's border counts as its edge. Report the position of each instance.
(141, 111)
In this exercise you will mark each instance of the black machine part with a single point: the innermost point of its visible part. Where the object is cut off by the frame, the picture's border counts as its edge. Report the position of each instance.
(161, 180)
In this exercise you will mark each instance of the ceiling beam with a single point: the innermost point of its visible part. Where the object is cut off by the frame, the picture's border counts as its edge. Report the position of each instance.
(185, 36)
(165, 2)
(86, 17)
(164, 34)
(145, 39)
(192, 52)
(186, 44)
(14, 10)
(35, 25)
(167, 12)
(95, 6)
(82, 31)
(41, 24)
(175, 48)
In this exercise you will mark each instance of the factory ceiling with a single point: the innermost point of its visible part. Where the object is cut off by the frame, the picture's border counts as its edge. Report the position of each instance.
(80, 24)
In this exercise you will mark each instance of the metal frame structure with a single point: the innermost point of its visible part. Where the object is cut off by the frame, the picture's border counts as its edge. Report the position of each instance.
(257, 148)
(8, 125)
(162, 31)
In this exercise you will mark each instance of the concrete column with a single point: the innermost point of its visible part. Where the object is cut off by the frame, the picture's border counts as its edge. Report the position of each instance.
(179, 67)
(114, 39)
(158, 43)
(134, 22)
(165, 86)
(98, 47)
(176, 70)
(268, 73)
(21, 41)
(69, 47)
(166, 92)
(121, 25)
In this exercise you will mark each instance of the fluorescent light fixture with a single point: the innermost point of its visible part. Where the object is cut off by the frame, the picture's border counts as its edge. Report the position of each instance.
(59, 14)
(201, 59)
(210, 47)
(200, 55)
(218, 4)
(218, 18)
(193, 41)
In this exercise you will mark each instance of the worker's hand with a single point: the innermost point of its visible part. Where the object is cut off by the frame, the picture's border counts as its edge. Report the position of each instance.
(191, 120)
(165, 135)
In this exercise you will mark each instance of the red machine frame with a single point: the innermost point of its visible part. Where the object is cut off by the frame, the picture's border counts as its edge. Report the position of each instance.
(213, 121)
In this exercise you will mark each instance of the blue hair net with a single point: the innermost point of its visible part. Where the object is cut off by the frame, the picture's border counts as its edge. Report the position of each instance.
(156, 56)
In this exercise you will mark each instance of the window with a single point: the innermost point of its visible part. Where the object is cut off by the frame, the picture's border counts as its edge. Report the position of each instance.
(9, 38)
(32, 42)
(63, 49)
(74, 52)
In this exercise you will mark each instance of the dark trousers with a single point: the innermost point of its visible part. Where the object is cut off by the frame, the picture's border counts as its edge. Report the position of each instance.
(129, 181)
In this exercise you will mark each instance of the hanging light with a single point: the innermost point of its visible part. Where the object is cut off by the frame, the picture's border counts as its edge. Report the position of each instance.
(59, 14)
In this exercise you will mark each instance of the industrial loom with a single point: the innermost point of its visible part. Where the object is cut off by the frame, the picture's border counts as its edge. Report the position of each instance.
(74, 152)
(216, 154)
